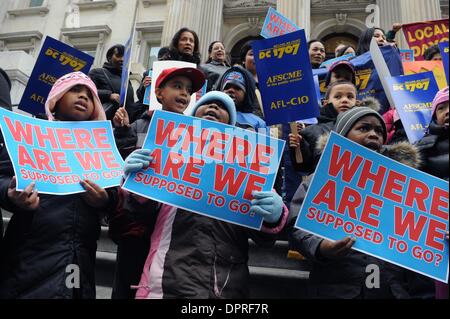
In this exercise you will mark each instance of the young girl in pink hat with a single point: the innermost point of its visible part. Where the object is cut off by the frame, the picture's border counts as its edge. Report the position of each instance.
(51, 241)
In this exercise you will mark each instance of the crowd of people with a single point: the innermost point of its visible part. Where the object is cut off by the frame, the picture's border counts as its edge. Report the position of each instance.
(167, 252)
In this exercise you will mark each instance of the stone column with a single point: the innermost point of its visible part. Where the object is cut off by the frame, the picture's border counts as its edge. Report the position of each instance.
(299, 11)
(202, 16)
(179, 14)
(210, 25)
(407, 11)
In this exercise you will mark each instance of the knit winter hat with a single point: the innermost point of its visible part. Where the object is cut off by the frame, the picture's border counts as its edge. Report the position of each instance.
(441, 97)
(221, 97)
(63, 85)
(346, 120)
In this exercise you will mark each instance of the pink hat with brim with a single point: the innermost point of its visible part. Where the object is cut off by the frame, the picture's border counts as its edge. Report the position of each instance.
(63, 85)
(441, 97)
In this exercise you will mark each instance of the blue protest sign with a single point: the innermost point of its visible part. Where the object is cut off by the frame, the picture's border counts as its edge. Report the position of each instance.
(328, 63)
(443, 46)
(55, 60)
(276, 24)
(407, 55)
(413, 97)
(367, 79)
(57, 155)
(207, 167)
(396, 213)
(148, 90)
(285, 78)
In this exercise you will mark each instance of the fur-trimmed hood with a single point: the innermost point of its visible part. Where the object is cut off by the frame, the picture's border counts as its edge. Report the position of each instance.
(402, 152)
(371, 103)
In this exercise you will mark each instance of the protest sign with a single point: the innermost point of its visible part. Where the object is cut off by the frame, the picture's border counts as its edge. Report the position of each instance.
(57, 155)
(207, 167)
(396, 213)
(420, 36)
(160, 66)
(55, 60)
(425, 66)
(285, 78)
(443, 46)
(413, 98)
(407, 55)
(276, 24)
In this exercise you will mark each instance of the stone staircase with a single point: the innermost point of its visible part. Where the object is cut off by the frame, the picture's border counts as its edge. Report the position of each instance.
(272, 274)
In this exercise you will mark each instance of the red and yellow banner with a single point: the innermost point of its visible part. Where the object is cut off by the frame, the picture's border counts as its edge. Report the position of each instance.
(421, 36)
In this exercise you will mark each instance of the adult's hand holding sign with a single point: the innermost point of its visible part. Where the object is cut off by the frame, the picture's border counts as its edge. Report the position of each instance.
(396, 213)
(206, 167)
(58, 156)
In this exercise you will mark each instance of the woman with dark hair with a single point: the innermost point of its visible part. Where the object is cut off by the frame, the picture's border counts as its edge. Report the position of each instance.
(433, 53)
(346, 49)
(366, 38)
(216, 65)
(316, 51)
(185, 46)
(108, 80)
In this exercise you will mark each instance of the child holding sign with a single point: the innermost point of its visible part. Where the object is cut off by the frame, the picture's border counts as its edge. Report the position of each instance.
(51, 241)
(337, 271)
(434, 148)
(131, 224)
(340, 97)
(194, 256)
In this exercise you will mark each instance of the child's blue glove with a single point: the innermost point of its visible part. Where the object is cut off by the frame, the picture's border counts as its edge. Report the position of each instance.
(268, 205)
(137, 160)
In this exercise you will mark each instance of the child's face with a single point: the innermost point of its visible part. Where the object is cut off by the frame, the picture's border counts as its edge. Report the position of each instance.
(442, 114)
(76, 105)
(343, 97)
(213, 111)
(367, 132)
(236, 93)
(175, 95)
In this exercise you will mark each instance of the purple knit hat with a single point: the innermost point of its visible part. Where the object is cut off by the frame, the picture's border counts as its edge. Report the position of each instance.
(63, 85)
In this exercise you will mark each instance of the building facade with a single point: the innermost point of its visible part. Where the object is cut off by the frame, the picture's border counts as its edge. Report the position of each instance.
(95, 25)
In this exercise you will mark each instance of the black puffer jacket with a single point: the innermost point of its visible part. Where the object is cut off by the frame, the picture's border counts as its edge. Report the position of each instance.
(105, 88)
(39, 246)
(345, 277)
(434, 149)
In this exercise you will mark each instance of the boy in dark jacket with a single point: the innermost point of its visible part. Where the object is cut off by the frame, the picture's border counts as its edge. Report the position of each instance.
(49, 233)
(239, 84)
(340, 97)
(131, 223)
